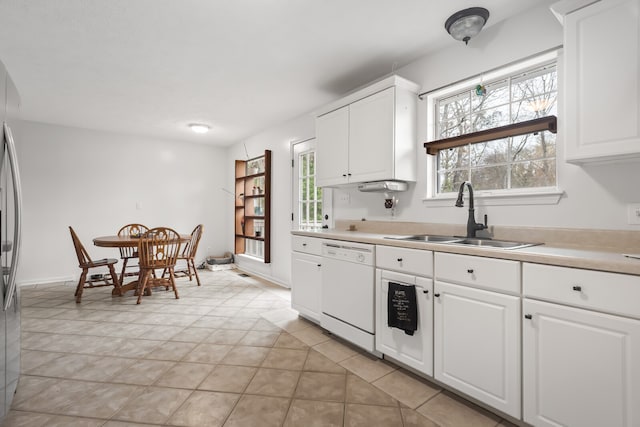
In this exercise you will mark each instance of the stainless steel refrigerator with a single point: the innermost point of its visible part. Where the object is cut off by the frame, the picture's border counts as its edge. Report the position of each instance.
(10, 231)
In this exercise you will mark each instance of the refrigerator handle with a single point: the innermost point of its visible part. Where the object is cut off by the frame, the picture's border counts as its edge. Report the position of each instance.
(17, 194)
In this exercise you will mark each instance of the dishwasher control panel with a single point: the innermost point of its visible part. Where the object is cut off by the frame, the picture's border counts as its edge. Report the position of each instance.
(348, 251)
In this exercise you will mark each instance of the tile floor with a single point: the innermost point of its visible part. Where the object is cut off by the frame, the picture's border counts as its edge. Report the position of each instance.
(229, 353)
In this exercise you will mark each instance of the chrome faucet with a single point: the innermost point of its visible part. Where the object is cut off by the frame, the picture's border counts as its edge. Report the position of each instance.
(472, 225)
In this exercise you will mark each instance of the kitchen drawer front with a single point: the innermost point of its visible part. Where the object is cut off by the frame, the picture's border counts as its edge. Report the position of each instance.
(495, 274)
(413, 261)
(599, 290)
(308, 245)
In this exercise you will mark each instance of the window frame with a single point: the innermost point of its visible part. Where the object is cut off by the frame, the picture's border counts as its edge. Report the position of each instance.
(514, 196)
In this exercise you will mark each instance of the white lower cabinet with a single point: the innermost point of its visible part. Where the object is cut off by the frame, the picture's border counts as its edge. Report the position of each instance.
(306, 277)
(581, 367)
(414, 350)
(477, 344)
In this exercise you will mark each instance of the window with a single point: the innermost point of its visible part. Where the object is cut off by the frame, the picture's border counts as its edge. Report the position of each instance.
(307, 196)
(514, 163)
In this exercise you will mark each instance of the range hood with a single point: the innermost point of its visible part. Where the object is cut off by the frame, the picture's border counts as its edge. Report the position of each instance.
(382, 186)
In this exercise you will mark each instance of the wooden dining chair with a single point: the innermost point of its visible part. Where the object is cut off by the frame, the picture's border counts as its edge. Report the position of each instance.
(158, 249)
(127, 253)
(188, 254)
(86, 263)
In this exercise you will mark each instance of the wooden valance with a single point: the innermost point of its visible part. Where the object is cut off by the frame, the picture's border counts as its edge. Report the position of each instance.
(530, 126)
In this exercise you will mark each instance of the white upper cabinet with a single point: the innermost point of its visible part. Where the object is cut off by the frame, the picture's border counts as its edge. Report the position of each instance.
(601, 115)
(369, 135)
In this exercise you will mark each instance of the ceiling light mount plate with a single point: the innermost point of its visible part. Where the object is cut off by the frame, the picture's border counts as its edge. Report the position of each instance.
(467, 23)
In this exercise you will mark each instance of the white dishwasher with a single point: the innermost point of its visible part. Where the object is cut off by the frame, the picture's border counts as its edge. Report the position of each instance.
(348, 292)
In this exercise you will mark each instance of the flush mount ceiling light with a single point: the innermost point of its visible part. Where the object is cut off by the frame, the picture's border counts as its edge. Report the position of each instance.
(466, 23)
(199, 128)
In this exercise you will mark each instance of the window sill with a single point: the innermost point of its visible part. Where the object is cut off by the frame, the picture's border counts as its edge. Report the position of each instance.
(487, 198)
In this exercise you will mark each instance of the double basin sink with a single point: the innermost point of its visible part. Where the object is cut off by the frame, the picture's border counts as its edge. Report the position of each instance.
(466, 241)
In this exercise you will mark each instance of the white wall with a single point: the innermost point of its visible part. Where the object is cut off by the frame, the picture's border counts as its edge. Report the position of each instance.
(595, 196)
(95, 181)
(278, 140)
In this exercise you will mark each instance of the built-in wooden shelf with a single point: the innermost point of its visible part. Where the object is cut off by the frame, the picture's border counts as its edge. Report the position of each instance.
(246, 220)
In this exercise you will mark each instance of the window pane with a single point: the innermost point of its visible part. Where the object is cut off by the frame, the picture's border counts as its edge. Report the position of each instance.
(491, 118)
(303, 166)
(538, 173)
(489, 153)
(534, 146)
(303, 212)
(454, 158)
(453, 117)
(490, 178)
(497, 94)
(449, 181)
(303, 190)
(312, 169)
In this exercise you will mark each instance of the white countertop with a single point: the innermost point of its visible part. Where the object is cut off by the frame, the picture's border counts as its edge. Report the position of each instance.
(541, 254)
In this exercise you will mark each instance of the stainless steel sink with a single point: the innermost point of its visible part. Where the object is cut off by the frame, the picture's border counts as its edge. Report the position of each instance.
(467, 241)
(425, 238)
(489, 243)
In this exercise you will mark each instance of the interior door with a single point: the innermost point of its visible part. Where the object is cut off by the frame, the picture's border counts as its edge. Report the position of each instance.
(301, 152)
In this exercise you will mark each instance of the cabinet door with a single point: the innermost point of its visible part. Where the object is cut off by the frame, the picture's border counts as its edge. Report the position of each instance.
(477, 344)
(332, 134)
(414, 350)
(602, 81)
(581, 368)
(371, 137)
(306, 285)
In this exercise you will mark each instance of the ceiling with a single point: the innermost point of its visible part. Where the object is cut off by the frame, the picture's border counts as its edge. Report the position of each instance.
(151, 67)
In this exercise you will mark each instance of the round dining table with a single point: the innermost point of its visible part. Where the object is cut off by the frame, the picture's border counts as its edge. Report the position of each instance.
(127, 242)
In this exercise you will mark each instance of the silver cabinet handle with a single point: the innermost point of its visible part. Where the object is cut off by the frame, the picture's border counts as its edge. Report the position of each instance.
(17, 234)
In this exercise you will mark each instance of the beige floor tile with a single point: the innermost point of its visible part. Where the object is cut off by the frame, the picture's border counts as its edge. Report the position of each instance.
(192, 334)
(317, 362)
(273, 382)
(245, 356)
(285, 358)
(321, 386)
(227, 378)
(113, 423)
(406, 388)
(153, 405)
(448, 410)
(204, 409)
(412, 418)
(30, 359)
(242, 324)
(225, 336)
(100, 369)
(184, 375)
(210, 321)
(208, 353)
(360, 391)
(368, 367)
(260, 338)
(171, 350)
(29, 386)
(335, 350)
(64, 366)
(286, 340)
(311, 336)
(142, 371)
(26, 419)
(265, 325)
(64, 421)
(260, 411)
(313, 413)
(366, 416)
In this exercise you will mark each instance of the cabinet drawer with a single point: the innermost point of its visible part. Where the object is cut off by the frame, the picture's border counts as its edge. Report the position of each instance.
(599, 290)
(308, 245)
(414, 261)
(490, 273)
